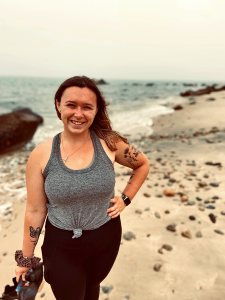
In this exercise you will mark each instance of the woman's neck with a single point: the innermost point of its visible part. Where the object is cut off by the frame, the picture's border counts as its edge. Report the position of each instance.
(75, 138)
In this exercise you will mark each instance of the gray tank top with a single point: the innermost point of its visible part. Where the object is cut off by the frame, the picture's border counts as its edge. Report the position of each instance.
(78, 199)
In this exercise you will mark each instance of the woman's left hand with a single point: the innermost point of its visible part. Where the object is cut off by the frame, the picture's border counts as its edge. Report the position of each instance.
(117, 208)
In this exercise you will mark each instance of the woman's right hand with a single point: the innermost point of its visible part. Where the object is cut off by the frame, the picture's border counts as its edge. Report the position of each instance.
(21, 271)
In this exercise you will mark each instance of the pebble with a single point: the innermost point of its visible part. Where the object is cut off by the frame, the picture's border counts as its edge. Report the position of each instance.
(187, 234)
(171, 227)
(148, 235)
(198, 198)
(129, 236)
(206, 176)
(160, 251)
(210, 207)
(215, 197)
(198, 234)
(219, 231)
(4, 254)
(223, 212)
(127, 297)
(167, 247)
(158, 196)
(184, 198)
(191, 202)
(192, 218)
(147, 195)
(147, 209)
(42, 295)
(202, 208)
(202, 184)
(169, 192)
(214, 184)
(167, 212)
(138, 211)
(157, 267)
(157, 215)
(212, 218)
(107, 289)
(206, 201)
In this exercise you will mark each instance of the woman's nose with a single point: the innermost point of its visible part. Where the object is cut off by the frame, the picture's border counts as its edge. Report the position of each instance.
(78, 112)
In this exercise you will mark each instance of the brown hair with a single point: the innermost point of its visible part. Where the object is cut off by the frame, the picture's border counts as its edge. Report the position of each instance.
(101, 124)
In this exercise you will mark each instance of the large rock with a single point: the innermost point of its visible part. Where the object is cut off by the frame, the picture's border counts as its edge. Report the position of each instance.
(17, 129)
(207, 90)
(100, 81)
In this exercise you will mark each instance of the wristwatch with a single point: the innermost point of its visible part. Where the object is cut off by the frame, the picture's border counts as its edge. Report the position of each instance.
(126, 199)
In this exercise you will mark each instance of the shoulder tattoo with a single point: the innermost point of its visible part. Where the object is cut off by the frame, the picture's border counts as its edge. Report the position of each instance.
(131, 154)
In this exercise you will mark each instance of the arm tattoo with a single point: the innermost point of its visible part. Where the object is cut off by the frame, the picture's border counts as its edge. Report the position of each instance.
(131, 154)
(132, 175)
(34, 234)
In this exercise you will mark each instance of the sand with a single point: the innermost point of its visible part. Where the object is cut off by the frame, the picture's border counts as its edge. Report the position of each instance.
(178, 150)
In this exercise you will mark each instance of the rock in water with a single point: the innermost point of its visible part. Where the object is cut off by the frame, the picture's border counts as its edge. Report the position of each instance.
(129, 236)
(169, 192)
(17, 129)
(212, 218)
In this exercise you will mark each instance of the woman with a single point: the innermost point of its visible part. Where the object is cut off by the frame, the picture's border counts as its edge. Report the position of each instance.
(71, 177)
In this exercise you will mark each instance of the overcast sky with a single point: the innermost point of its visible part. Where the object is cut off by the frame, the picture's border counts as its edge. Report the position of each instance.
(113, 39)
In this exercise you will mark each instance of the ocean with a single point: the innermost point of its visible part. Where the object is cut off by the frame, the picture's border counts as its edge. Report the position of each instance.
(132, 106)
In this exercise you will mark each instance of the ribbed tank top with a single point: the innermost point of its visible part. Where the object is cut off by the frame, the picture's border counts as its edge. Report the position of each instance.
(78, 199)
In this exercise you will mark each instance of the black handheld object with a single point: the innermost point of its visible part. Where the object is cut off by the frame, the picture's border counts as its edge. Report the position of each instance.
(21, 292)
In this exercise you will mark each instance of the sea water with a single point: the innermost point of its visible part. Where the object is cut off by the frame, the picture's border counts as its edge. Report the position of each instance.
(132, 103)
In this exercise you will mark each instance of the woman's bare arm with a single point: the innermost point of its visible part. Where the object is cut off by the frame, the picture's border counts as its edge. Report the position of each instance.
(36, 210)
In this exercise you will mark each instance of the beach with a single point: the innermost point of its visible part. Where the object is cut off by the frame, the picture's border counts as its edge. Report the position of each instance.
(175, 248)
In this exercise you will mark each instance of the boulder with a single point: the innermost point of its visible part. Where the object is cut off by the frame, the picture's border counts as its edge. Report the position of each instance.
(100, 81)
(17, 129)
(149, 84)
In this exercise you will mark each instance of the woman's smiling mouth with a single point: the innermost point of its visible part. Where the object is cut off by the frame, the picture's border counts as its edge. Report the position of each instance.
(76, 122)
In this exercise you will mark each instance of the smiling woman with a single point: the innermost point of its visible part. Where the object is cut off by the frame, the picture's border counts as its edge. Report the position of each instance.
(71, 178)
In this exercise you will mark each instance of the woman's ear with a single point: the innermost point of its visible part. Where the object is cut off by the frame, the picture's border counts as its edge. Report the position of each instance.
(58, 106)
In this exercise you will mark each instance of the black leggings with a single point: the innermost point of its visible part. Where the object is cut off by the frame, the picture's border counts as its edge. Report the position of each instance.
(75, 267)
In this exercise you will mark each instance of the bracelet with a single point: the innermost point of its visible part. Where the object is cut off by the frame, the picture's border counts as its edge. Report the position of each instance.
(25, 261)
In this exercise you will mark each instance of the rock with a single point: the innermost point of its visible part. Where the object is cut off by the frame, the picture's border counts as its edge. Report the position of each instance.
(129, 236)
(214, 184)
(100, 81)
(167, 247)
(198, 198)
(42, 295)
(157, 267)
(184, 198)
(210, 99)
(160, 251)
(158, 196)
(138, 211)
(223, 212)
(147, 209)
(17, 129)
(187, 234)
(127, 297)
(147, 195)
(4, 254)
(210, 163)
(210, 207)
(149, 84)
(178, 107)
(169, 192)
(157, 215)
(148, 235)
(166, 211)
(212, 218)
(206, 201)
(205, 91)
(219, 231)
(198, 234)
(191, 203)
(206, 176)
(202, 184)
(171, 227)
(202, 208)
(215, 197)
(192, 218)
(107, 289)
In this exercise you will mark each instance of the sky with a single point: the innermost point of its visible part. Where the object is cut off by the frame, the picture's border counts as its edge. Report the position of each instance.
(113, 39)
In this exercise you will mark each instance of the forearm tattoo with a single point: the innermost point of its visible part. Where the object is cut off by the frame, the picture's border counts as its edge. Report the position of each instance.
(34, 234)
(132, 175)
(131, 154)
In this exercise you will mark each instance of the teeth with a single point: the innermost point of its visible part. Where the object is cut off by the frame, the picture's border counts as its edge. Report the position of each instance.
(77, 123)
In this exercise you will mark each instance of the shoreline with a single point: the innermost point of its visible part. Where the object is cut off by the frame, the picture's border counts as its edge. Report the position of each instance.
(178, 151)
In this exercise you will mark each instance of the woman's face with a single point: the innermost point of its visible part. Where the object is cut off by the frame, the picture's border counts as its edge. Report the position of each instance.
(78, 108)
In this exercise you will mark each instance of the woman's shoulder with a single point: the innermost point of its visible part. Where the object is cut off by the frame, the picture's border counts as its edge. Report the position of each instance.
(41, 154)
